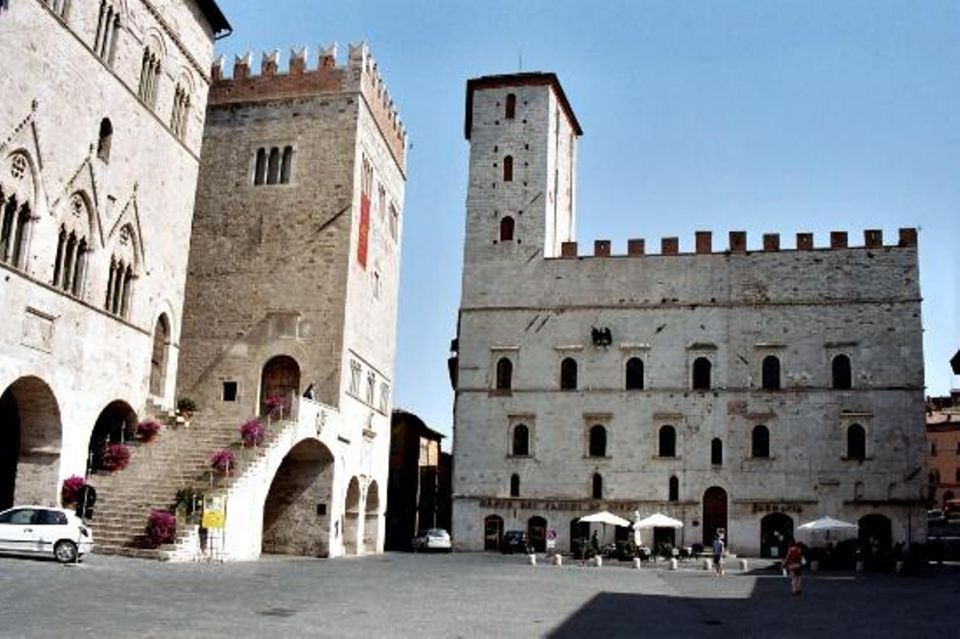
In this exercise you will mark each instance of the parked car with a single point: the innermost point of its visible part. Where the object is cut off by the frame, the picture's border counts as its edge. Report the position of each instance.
(432, 539)
(951, 509)
(935, 515)
(40, 530)
(515, 541)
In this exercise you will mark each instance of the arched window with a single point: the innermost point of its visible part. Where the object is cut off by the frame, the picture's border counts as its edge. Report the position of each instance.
(760, 442)
(568, 374)
(149, 77)
(668, 442)
(105, 140)
(506, 229)
(514, 485)
(504, 374)
(674, 490)
(842, 377)
(716, 452)
(286, 165)
(273, 166)
(597, 486)
(634, 374)
(701, 373)
(508, 168)
(181, 111)
(108, 28)
(260, 172)
(521, 441)
(856, 442)
(511, 108)
(771, 373)
(158, 357)
(598, 441)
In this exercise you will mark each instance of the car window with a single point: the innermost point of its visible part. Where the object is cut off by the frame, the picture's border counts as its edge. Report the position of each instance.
(51, 518)
(20, 517)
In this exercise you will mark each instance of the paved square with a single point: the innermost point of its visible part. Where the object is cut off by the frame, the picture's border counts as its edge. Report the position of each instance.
(460, 595)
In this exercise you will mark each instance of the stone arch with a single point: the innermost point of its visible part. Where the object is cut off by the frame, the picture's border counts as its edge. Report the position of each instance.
(280, 377)
(351, 517)
(875, 532)
(30, 440)
(776, 533)
(714, 514)
(492, 532)
(114, 425)
(371, 523)
(159, 355)
(295, 511)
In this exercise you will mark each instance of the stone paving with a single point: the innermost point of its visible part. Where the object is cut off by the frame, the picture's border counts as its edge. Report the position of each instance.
(460, 595)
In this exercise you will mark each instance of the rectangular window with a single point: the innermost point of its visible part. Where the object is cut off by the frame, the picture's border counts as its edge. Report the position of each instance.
(230, 391)
(364, 231)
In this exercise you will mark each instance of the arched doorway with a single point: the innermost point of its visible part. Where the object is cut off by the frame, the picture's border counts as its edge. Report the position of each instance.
(875, 533)
(115, 425)
(714, 514)
(371, 524)
(579, 537)
(280, 378)
(351, 517)
(492, 532)
(30, 439)
(158, 357)
(537, 532)
(295, 519)
(776, 533)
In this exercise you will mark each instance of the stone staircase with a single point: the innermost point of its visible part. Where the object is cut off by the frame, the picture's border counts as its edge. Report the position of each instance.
(178, 457)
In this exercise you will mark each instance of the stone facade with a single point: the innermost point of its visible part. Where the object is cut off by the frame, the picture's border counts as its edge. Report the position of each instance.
(292, 288)
(100, 131)
(737, 389)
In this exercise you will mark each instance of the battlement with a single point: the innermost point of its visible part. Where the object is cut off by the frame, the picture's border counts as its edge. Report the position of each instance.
(737, 243)
(359, 73)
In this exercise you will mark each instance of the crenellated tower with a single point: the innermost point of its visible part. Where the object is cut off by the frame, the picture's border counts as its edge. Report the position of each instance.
(521, 197)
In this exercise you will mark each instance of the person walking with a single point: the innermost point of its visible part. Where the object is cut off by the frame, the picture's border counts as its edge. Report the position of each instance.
(793, 565)
(718, 547)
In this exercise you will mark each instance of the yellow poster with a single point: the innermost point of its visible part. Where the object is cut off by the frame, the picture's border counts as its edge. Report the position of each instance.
(214, 512)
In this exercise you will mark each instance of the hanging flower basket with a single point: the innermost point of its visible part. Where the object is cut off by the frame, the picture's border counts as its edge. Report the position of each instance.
(252, 433)
(223, 461)
(147, 430)
(115, 457)
(71, 485)
(275, 404)
(161, 528)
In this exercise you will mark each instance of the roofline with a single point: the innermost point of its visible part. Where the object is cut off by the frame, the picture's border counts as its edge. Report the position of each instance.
(421, 425)
(534, 78)
(213, 14)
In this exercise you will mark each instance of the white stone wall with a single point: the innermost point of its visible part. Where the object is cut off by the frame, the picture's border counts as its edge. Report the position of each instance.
(56, 94)
(804, 307)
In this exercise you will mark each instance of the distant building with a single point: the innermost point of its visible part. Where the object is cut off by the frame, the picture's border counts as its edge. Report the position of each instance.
(742, 389)
(943, 437)
(418, 496)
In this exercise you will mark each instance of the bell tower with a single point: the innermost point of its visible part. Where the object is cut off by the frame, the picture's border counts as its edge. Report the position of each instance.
(521, 194)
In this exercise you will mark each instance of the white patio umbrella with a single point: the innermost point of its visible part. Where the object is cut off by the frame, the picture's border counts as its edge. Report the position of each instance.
(605, 517)
(827, 525)
(659, 520)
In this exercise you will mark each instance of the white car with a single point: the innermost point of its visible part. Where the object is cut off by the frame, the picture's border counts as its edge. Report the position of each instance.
(432, 539)
(41, 530)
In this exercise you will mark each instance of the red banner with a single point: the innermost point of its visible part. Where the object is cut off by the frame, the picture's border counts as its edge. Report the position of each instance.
(364, 230)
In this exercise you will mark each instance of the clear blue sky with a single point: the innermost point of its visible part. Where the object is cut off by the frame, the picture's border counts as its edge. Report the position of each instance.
(764, 116)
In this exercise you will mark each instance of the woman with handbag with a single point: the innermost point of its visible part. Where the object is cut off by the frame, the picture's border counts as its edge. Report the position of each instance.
(793, 565)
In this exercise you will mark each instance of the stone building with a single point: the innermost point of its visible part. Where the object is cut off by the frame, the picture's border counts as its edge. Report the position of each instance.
(737, 389)
(100, 132)
(292, 295)
(418, 495)
(943, 440)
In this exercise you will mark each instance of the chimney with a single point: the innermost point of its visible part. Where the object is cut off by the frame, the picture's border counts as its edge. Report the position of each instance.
(771, 242)
(636, 247)
(873, 238)
(738, 241)
(601, 248)
(669, 246)
(838, 239)
(804, 241)
(568, 249)
(704, 242)
(908, 237)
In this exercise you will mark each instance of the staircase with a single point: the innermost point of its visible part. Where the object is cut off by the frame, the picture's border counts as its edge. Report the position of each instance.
(178, 457)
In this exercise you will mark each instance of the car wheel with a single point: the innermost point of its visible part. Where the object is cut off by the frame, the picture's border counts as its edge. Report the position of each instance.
(65, 551)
